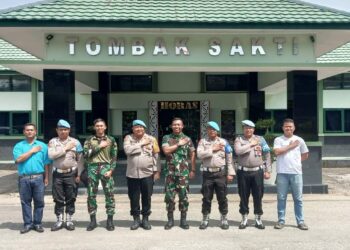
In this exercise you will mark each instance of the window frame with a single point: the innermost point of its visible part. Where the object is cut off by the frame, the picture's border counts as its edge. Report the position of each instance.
(10, 76)
(226, 75)
(342, 120)
(148, 74)
(11, 121)
(341, 82)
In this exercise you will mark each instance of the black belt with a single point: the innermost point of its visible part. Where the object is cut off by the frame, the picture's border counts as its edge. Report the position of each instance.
(31, 176)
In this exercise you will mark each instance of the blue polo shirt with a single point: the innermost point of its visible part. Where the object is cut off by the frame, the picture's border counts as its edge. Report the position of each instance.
(34, 164)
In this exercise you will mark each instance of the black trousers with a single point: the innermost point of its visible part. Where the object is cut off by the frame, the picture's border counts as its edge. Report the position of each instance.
(214, 182)
(64, 192)
(250, 182)
(137, 187)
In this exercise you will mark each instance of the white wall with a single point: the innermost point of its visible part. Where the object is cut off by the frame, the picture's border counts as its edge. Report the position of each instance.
(336, 98)
(82, 101)
(16, 101)
(276, 101)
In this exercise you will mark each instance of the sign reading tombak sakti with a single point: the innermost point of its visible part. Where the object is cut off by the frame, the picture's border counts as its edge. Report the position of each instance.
(274, 48)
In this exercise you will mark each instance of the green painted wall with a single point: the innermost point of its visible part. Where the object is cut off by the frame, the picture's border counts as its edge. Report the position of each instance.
(179, 82)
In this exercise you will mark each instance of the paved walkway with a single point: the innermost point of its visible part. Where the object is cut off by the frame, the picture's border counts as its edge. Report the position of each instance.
(327, 216)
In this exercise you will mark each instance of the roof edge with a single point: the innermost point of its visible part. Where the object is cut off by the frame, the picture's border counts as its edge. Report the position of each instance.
(170, 25)
(22, 6)
(336, 11)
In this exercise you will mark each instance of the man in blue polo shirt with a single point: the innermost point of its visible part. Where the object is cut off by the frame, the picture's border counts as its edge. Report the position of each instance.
(31, 156)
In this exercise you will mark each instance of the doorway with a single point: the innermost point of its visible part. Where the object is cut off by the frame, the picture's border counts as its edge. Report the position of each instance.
(189, 112)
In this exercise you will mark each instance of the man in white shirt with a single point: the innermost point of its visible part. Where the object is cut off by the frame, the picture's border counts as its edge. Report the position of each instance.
(290, 150)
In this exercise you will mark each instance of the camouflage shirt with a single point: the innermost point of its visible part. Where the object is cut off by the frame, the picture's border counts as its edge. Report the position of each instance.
(177, 163)
(94, 154)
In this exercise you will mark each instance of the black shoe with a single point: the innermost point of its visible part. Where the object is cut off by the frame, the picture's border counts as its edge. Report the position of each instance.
(57, 226)
(145, 223)
(170, 222)
(258, 222)
(244, 222)
(137, 223)
(69, 222)
(259, 226)
(26, 229)
(70, 226)
(39, 228)
(205, 222)
(93, 223)
(183, 221)
(224, 222)
(110, 225)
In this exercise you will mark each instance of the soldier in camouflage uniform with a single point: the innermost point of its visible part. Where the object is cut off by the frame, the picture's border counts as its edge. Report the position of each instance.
(100, 152)
(178, 149)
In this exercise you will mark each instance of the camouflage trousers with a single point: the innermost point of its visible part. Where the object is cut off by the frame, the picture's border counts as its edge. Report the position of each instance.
(176, 185)
(95, 174)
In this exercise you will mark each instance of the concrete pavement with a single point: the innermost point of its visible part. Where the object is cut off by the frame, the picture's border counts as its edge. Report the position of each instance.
(326, 215)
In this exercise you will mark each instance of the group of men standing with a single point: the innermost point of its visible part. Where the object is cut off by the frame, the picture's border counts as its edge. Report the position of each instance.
(250, 157)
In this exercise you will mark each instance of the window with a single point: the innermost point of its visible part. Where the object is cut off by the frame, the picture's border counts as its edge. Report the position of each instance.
(337, 120)
(15, 83)
(83, 121)
(227, 82)
(341, 81)
(5, 83)
(11, 123)
(131, 83)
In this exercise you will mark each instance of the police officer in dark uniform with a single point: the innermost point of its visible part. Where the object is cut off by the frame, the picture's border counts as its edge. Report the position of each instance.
(66, 153)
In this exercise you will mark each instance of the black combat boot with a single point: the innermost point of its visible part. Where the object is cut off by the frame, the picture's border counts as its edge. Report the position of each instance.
(145, 223)
(244, 221)
(183, 221)
(59, 223)
(93, 223)
(205, 222)
(110, 225)
(137, 223)
(224, 222)
(69, 222)
(258, 222)
(170, 222)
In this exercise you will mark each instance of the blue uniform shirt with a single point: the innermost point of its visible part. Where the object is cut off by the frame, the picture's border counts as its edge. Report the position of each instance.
(34, 164)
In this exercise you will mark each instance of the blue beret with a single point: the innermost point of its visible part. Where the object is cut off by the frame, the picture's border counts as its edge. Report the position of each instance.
(139, 122)
(63, 124)
(214, 125)
(248, 123)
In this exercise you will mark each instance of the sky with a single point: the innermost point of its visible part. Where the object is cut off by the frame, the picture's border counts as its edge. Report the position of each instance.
(343, 5)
